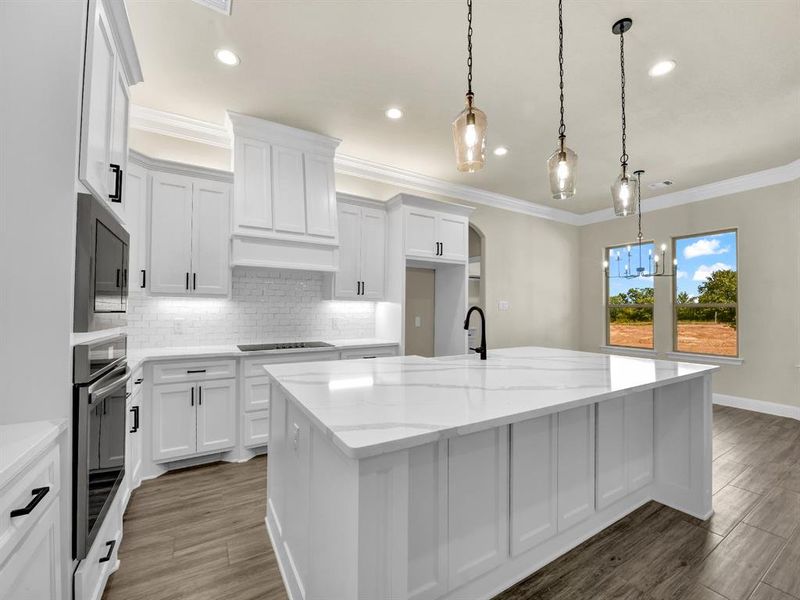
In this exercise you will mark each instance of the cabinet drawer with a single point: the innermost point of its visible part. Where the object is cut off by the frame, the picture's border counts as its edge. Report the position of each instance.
(254, 367)
(193, 371)
(44, 473)
(256, 428)
(256, 393)
(92, 574)
(369, 352)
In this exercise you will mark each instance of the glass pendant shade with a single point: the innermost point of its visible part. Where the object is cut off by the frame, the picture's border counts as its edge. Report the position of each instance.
(469, 138)
(623, 193)
(561, 169)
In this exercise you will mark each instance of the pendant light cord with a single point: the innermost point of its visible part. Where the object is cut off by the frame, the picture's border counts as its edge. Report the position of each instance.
(639, 198)
(624, 158)
(562, 129)
(469, 49)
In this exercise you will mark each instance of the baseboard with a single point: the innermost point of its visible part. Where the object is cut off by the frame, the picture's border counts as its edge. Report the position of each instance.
(762, 406)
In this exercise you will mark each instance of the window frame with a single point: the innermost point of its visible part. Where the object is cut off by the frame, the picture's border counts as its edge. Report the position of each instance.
(675, 304)
(607, 289)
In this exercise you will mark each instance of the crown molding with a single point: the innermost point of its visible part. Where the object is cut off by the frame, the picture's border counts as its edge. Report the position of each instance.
(220, 6)
(170, 124)
(176, 168)
(178, 126)
(726, 187)
(359, 167)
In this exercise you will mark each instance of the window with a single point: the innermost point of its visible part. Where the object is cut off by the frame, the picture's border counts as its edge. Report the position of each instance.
(629, 299)
(706, 294)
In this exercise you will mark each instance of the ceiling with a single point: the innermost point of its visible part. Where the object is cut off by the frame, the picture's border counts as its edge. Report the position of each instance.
(731, 107)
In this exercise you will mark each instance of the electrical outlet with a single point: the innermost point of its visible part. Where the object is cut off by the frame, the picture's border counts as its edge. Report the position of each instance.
(177, 325)
(417, 321)
(503, 305)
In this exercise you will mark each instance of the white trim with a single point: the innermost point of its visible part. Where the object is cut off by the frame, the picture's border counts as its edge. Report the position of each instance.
(625, 351)
(726, 187)
(178, 126)
(164, 123)
(278, 133)
(176, 168)
(220, 6)
(121, 26)
(709, 359)
(761, 406)
(360, 201)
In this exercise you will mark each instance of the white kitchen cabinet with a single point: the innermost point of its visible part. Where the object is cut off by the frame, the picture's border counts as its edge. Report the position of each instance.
(189, 236)
(101, 559)
(256, 429)
(133, 457)
(433, 231)
(111, 66)
(174, 421)
(362, 253)
(284, 197)
(34, 570)
(216, 409)
(576, 466)
(256, 393)
(136, 194)
(366, 353)
(195, 417)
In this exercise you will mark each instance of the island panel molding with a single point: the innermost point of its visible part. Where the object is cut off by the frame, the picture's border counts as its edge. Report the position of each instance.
(455, 478)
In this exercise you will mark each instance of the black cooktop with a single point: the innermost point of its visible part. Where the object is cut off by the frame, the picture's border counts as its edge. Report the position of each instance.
(283, 346)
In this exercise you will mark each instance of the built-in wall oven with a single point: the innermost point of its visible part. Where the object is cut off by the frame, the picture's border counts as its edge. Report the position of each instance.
(100, 380)
(101, 267)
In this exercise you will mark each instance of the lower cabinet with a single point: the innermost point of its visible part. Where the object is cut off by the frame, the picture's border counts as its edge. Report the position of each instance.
(369, 353)
(193, 418)
(101, 560)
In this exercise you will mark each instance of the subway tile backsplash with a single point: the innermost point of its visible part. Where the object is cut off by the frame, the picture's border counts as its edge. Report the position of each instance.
(265, 306)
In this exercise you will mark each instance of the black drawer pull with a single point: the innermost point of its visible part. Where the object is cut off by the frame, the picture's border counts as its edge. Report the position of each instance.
(138, 381)
(369, 357)
(144, 278)
(117, 195)
(107, 557)
(38, 496)
(196, 371)
(135, 411)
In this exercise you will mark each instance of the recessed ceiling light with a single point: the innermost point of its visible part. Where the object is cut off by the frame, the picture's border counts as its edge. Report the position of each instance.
(394, 113)
(661, 68)
(226, 57)
(500, 151)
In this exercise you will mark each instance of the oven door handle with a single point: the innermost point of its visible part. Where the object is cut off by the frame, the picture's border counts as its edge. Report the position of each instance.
(102, 391)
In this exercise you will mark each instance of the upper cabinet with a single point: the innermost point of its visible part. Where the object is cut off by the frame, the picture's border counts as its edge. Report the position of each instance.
(179, 221)
(111, 66)
(433, 231)
(362, 250)
(284, 213)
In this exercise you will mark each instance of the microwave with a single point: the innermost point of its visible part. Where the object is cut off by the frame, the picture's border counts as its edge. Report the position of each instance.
(101, 268)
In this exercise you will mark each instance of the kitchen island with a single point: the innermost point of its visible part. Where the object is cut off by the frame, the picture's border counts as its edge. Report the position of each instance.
(428, 478)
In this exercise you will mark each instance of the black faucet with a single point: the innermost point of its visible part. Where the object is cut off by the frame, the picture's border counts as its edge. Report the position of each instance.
(482, 347)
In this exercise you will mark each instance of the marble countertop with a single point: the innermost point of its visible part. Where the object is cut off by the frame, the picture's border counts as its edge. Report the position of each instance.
(20, 442)
(369, 407)
(137, 356)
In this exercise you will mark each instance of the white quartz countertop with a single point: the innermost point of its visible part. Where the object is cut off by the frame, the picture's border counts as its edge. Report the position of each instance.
(137, 356)
(369, 407)
(20, 442)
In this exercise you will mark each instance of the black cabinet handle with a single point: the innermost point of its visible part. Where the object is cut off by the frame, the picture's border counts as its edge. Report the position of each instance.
(369, 357)
(117, 195)
(363, 288)
(138, 381)
(196, 371)
(116, 284)
(144, 279)
(107, 557)
(38, 496)
(200, 395)
(135, 411)
(187, 281)
(441, 248)
(194, 281)
(192, 396)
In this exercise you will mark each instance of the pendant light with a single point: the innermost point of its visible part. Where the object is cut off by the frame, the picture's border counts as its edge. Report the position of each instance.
(624, 188)
(469, 128)
(561, 166)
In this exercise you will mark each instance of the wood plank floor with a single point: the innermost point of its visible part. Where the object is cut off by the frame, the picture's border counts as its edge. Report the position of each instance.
(198, 534)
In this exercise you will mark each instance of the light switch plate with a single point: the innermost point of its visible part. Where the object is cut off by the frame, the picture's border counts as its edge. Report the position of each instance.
(417, 321)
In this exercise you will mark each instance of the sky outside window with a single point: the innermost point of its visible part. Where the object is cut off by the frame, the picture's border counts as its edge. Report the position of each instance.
(700, 256)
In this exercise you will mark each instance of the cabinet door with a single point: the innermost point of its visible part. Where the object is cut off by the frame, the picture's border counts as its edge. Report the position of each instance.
(211, 238)
(320, 196)
(576, 485)
(420, 233)
(252, 185)
(136, 219)
(451, 232)
(216, 410)
(373, 253)
(98, 97)
(119, 144)
(174, 423)
(612, 473)
(170, 234)
(639, 438)
(34, 569)
(349, 273)
(288, 190)
(133, 459)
